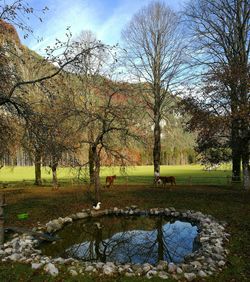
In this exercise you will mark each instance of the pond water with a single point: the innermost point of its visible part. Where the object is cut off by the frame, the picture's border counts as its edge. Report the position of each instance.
(138, 239)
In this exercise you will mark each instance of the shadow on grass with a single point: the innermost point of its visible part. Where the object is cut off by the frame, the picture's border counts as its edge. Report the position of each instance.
(225, 203)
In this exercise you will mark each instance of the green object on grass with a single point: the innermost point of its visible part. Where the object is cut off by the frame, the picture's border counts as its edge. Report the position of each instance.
(22, 216)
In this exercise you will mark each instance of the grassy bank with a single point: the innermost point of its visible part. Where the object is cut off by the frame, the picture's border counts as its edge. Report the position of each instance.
(225, 203)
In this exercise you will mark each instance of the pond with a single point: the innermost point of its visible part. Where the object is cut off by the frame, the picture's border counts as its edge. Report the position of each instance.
(139, 239)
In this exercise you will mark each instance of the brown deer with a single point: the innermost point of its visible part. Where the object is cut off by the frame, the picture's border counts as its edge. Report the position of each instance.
(110, 180)
(166, 179)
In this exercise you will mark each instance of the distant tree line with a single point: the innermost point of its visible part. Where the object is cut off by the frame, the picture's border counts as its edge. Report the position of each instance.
(76, 102)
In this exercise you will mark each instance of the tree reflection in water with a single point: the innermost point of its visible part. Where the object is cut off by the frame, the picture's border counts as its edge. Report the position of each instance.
(124, 240)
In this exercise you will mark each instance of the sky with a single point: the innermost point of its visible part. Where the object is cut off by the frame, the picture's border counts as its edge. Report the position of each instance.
(106, 18)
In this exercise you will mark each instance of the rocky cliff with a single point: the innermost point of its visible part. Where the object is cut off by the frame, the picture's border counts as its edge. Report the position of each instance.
(8, 33)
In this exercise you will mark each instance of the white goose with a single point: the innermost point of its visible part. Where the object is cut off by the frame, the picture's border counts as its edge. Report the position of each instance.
(97, 206)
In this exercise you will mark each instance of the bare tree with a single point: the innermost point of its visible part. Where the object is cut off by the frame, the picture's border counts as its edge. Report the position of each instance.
(17, 13)
(154, 55)
(13, 65)
(10, 136)
(22, 71)
(104, 106)
(51, 131)
(221, 40)
(88, 68)
(111, 125)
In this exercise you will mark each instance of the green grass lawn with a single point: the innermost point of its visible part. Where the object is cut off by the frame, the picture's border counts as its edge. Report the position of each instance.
(186, 174)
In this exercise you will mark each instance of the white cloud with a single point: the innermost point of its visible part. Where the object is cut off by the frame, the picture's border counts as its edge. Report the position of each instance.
(105, 18)
(76, 14)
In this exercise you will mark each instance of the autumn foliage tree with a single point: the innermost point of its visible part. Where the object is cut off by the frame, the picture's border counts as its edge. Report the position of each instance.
(110, 120)
(221, 44)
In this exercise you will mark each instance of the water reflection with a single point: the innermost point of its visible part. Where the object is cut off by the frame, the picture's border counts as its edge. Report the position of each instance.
(123, 240)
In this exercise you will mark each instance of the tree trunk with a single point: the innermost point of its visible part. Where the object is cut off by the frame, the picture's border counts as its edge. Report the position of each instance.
(54, 176)
(98, 246)
(157, 138)
(244, 108)
(91, 166)
(2, 205)
(160, 238)
(1, 231)
(96, 173)
(236, 152)
(246, 170)
(38, 175)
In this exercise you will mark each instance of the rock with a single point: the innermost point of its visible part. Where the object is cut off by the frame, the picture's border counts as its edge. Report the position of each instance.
(217, 257)
(53, 225)
(81, 215)
(146, 267)
(162, 264)
(110, 263)
(51, 269)
(176, 214)
(15, 257)
(210, 261)
(204, 239)
(139, 271)
(163, 275)
(73, 272)
(202, 274)
(129, 270)
(8, 251)
(127, 266)
(98, 213)
(108, 270)
(73, 216)
(160, 267)
(29, 260)
(99, 265)
(59, 260)
(70, 261)
(187, 268)
(189, 276)
(89, 268)
(129, 274)
(196, 264)
(171, 267)
(67, 219)
(218, 250)
(36, 265)
(151, 273)
(179, 270)
(120, 269)
(221, 263)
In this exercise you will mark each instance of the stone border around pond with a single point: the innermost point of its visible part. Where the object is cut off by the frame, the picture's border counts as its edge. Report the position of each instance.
(207, 260)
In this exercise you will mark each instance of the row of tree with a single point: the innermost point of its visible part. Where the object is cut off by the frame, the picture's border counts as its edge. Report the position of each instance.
(80, 100)
(220, 106)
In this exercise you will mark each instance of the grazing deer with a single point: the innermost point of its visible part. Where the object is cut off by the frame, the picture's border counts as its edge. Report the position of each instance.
(110, 180)
(166, 179)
